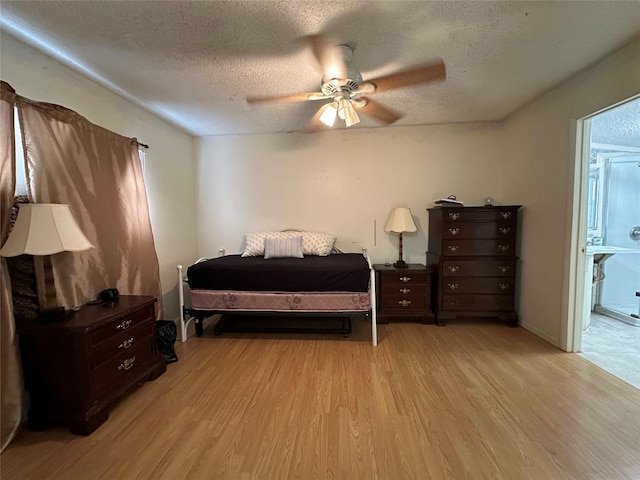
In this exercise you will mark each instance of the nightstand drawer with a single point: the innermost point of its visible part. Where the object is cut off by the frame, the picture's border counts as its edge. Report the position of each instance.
(404, 302)
(122, 342)
(121, 366)
(404, 278)
(123, 324)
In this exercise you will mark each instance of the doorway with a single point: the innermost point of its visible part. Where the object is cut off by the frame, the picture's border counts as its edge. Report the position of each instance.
(609, 331)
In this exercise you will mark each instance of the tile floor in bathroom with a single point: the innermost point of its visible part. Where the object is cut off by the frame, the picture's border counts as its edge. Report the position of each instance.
(614, 346)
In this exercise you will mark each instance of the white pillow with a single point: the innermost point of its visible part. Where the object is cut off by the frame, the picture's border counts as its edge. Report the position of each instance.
(314, 243)
(283, 247)
(254, 242)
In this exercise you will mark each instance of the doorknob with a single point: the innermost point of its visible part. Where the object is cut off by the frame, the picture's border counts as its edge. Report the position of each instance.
(634, 233)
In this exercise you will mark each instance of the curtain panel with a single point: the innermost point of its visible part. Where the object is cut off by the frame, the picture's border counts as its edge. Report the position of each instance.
(98, 174)
(11, 387)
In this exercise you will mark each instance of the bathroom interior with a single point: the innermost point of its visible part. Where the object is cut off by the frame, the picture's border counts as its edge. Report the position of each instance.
(611, 327)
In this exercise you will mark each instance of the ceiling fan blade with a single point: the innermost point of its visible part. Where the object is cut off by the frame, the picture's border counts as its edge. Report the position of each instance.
(431, 72)
(287, 98)
(315, 124)
(328, 56)
(376, 110)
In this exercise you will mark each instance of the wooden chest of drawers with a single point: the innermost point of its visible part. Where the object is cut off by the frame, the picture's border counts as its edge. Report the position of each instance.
(76, 368)
(403, 292)
(472, 252)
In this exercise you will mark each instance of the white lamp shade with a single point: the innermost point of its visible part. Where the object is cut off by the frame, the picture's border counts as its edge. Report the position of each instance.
(400, 221)
(44, 229)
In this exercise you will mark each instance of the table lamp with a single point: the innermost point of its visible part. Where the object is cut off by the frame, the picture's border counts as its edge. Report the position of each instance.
(400, 221)
(45, 229)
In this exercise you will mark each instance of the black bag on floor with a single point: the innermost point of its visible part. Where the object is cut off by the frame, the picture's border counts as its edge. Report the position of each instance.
(167, 334)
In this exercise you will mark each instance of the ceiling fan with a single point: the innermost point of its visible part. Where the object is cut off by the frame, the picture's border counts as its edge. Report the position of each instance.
(346, 89)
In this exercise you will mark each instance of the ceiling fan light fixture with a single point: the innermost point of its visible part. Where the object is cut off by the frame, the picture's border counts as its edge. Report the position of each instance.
(328, 117)
(346, 112)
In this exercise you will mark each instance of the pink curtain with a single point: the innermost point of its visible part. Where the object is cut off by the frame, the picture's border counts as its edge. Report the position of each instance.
(98, 173)
(11, 388)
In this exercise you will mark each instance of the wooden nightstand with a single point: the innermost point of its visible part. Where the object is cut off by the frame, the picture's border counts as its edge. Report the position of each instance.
(75, 369)
(403, 292)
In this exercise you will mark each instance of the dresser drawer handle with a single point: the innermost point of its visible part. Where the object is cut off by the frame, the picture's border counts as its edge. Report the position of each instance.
(503, 286)
(405, 290)
(454, 231)
(453, 248)
(126, 344)
(127, 364)
(454, 216)
(454, 269)
(505, 215)
(452, 286)
(405, 279)
(503, 248)
(404, 303)
(124, 325)
(503, 268)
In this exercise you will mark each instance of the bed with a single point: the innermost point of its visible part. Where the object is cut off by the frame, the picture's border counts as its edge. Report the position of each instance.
(279, 273)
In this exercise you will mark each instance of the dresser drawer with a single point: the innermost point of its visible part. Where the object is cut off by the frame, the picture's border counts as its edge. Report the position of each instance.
(479, 215)
(497, 247)
(123, 341)
(478, 230)
(404, 303)
(477, 302)
(404, 278)
(479, 268)
(122, 324)
(477, 285)
(119, 367)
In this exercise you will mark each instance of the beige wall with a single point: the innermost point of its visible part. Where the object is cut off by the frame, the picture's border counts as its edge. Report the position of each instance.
(170, 166)
(341, 182)
(539, 171)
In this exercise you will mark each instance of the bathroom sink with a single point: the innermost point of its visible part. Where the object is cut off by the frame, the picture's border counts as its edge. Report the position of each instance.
(600, 249)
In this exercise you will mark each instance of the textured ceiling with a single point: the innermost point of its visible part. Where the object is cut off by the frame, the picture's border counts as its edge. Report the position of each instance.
(193, 63)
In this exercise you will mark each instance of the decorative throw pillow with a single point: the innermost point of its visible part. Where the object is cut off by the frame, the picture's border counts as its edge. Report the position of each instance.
(314, 243)
(254, 242)
(283, 247)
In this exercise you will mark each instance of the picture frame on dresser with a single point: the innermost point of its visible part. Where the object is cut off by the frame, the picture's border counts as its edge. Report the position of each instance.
(472, 252)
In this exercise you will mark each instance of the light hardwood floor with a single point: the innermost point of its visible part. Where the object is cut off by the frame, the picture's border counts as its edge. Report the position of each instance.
(466, 401)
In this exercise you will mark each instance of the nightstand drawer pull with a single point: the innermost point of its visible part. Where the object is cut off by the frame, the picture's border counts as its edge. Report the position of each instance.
(454, 269)
(127, 364)
(453, 248)
(452, 286)
(404, 303)
(454, 231)
(124, 325)
(405, 290)
(405, 279)
(126, 344)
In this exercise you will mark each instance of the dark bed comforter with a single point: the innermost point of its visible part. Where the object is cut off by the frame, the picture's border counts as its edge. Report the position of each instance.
(346, 272)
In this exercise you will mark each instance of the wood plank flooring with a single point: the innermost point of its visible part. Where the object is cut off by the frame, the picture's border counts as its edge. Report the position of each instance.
(474, 400)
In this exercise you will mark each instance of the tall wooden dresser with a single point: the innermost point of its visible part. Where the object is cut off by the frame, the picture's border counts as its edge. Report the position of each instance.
(472, 251)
